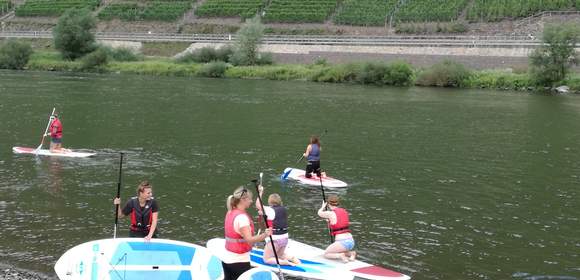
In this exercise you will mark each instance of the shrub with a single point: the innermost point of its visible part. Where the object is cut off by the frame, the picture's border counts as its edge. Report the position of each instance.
(224, 53)
(72, 34)
(215, 69)
(264, 59)
(95, 59)
(122, 54)
(248, 39)
(14, 54)
(444, 74)
(399, 74)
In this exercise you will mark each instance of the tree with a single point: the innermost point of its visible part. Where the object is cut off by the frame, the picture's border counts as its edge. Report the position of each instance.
(551, 62)
(73, 35)
(249, 38)
(14, 54)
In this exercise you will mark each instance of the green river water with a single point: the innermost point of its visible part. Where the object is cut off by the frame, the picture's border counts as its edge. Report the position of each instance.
(444, 184)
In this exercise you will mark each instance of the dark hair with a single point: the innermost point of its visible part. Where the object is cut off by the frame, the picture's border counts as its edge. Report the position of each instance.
(333, 200)
(144, 185)
(314, 140)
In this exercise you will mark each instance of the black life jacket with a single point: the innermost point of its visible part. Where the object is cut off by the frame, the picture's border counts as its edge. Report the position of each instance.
(280, 220)
(141, 219)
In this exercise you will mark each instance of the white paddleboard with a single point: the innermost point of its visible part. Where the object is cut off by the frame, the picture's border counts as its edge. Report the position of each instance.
(358, 268)
(43, 152)
(299, 175)
(257, 273)
(307, 269)
(133, 258)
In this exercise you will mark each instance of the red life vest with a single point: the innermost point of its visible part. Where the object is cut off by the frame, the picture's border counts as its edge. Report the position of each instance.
(234, 241)
(141, 220)
(342, 221)
(58, 133)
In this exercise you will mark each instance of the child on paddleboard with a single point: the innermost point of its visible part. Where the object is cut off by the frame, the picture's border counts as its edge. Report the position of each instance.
(239, 233)
(338, 220)
(277, 217)
(143, 210)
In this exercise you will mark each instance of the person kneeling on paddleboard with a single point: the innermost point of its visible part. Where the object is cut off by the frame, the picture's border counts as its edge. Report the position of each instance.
(278, 222)
(239, 233)
(55, 132)
(312, 155)
(143, 210)
(343, 245)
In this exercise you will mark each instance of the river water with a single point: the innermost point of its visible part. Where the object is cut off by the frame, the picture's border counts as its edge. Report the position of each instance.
(444, 184)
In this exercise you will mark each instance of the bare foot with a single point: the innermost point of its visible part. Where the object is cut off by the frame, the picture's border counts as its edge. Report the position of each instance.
(344, 258)
(352, 256)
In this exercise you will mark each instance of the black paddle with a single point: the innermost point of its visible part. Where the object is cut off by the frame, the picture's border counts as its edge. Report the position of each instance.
(319, 174)
(118, 196)
(265, 219)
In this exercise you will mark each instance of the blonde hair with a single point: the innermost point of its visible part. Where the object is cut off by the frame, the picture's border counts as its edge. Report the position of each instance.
(235, 198)
(275, 199)
(142, 186)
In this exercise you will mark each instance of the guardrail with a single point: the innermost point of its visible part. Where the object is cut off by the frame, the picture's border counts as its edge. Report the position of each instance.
(434, 41)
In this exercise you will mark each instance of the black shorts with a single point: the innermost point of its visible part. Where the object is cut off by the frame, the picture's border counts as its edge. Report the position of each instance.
(312, 166)
(233, 270)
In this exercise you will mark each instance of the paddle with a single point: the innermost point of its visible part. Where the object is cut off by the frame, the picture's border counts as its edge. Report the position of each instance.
(265, 219)
(319, 174)
(45, 131)
(118, 196)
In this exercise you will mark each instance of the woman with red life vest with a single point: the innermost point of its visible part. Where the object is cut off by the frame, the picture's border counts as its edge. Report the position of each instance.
(55, 132)
(278, 221)
(239, 233)
(337, 217)
(143, 210)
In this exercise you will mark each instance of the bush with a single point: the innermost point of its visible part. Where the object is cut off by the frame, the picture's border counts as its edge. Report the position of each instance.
(95, 59)
(444, 74)
(14, 54)
(72, 34)
(121, 54)
(213, 70)
(208, 54)
(224, 53)
(264, 59)
(399, 74)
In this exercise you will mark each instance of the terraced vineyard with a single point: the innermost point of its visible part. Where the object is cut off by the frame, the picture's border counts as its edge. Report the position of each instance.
(297, 11)
(146, 10)
(430, 10)
(5, 6)
(495, 10)
(52, 7)
(229, 8)
(365, 12)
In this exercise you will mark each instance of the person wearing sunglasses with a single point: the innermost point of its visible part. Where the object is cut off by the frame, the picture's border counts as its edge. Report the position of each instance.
(143, 210)
(239, 234)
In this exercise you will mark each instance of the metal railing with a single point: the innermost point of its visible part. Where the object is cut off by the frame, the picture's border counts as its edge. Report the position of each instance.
(468, 41)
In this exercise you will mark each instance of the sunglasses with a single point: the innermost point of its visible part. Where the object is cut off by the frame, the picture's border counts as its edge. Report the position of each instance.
(239, 194)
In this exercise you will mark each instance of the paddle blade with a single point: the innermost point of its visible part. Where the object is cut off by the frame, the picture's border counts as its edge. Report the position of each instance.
(285, 174)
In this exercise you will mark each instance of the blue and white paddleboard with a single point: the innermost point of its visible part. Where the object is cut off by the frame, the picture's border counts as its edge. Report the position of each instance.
(307, 269)
(133, 258)
(257, 273)
(299, 175)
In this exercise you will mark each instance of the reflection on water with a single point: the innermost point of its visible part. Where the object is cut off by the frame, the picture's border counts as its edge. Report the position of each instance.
(443, 184)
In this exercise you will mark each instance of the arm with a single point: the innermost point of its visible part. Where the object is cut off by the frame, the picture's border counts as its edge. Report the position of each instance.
(117, 201)
(247, 235)
(329, 215)
(153, 225)
(258, 206)
(307, 152)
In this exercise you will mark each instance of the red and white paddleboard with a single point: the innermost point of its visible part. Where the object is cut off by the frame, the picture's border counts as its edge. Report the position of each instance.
(357, 268)
(299, 175)
(43, 152)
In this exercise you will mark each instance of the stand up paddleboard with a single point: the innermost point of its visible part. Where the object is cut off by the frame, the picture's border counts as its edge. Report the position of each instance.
(358, 268)
(133, 258)
(307, 269)
(43, 152)
(299, 175)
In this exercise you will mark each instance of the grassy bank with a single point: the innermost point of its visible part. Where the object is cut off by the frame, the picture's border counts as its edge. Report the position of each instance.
(448, 74)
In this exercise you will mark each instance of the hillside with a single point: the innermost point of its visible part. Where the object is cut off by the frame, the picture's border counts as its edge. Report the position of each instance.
(303, 17)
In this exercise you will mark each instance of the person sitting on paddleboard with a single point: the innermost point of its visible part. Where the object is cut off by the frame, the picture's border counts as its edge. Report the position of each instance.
(312, 155)
(143, 210)
(278, 222)
(55, 132)
(239, 233)
(343, 245)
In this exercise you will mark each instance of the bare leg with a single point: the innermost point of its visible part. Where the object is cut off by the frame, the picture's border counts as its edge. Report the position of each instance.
(336, 251)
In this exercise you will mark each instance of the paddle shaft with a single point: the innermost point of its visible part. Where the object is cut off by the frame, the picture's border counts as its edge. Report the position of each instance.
(325, 208)
(265, 219)
(118, 196)
(302, 156)
(46, 130)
